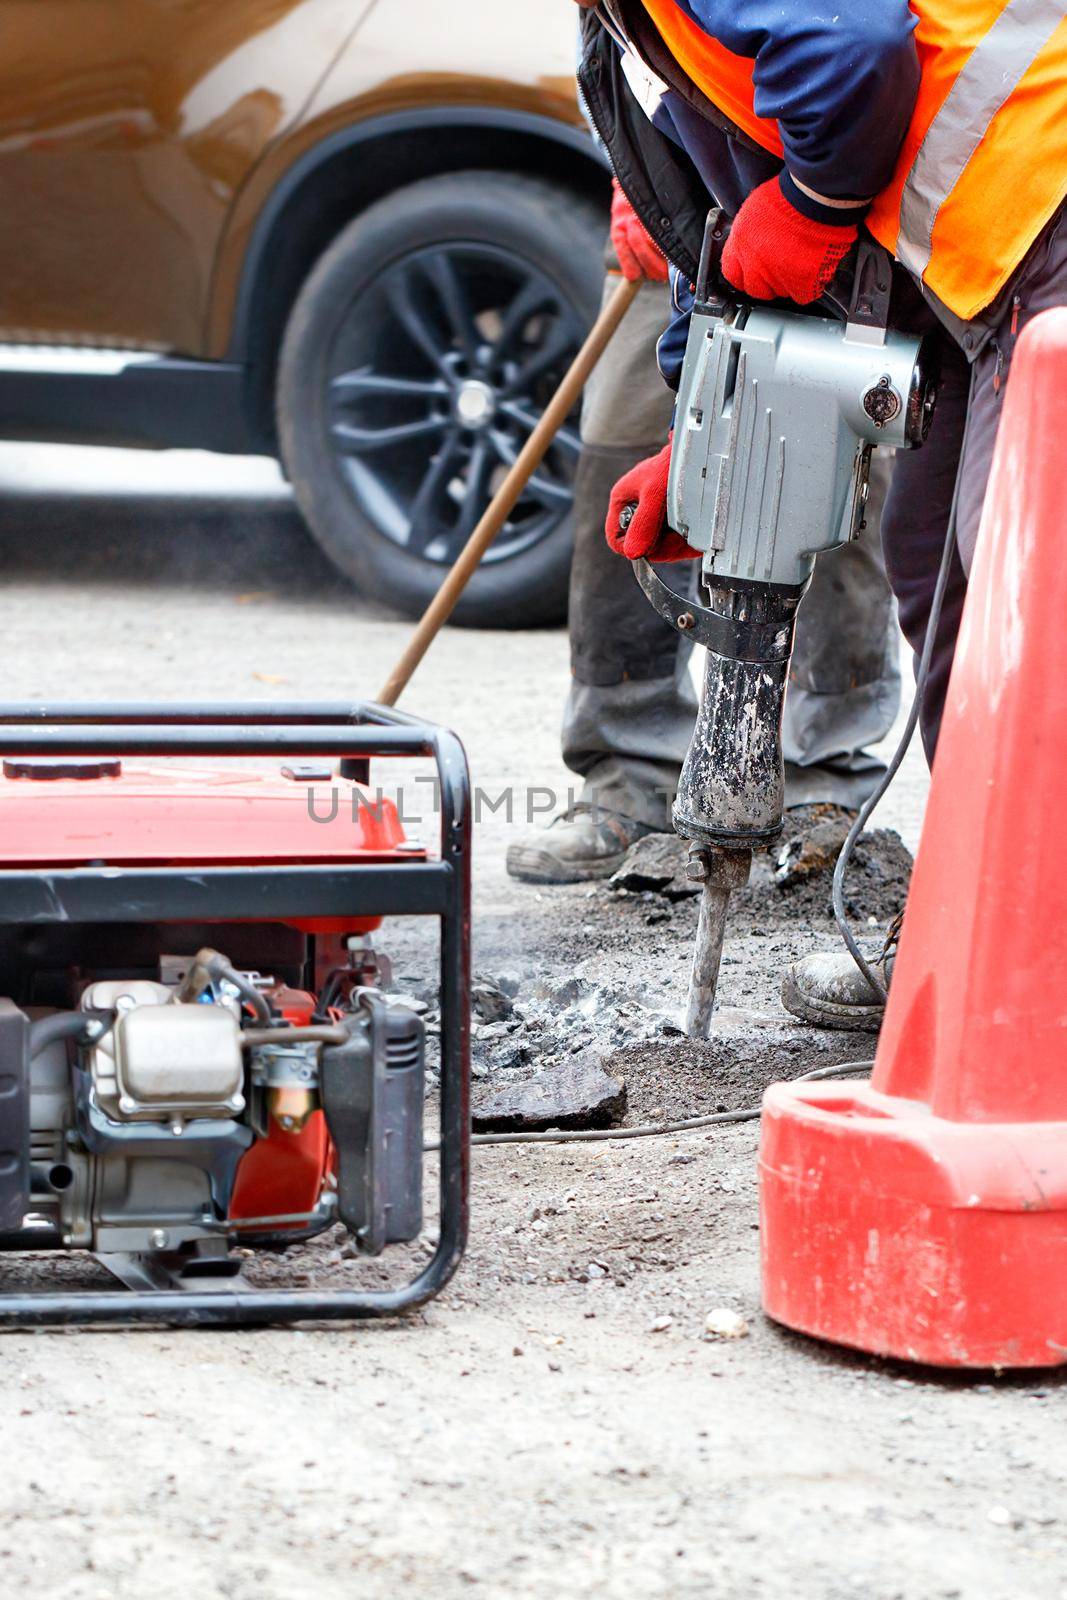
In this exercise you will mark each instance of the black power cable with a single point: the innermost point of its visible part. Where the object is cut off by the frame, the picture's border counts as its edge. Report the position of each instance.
(652, 1130)
(922, 672)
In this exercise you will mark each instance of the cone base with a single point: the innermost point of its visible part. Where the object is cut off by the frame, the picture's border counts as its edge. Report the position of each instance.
(891, 1230)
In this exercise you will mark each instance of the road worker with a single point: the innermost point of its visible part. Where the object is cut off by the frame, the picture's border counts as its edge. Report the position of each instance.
(938, 125)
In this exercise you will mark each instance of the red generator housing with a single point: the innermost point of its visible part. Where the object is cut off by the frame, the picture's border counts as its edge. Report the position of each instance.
(195, 1048)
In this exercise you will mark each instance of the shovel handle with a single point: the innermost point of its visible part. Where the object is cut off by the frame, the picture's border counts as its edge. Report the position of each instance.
(503, 502)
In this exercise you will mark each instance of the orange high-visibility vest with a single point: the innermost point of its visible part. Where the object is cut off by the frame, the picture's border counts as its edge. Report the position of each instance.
(983, 166)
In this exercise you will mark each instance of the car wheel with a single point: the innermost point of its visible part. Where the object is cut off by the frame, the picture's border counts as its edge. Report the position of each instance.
(420, 353)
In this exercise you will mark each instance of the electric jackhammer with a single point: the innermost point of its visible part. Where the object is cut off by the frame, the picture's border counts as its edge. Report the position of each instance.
(778, 412)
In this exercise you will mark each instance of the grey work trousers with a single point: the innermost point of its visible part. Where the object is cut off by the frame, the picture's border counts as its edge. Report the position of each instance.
(962, 437)
(629, 715)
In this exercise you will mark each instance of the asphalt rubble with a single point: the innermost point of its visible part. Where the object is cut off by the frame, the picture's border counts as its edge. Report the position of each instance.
(587, 1032)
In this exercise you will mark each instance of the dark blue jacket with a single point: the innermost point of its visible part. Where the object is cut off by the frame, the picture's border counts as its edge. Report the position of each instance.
(840, 77)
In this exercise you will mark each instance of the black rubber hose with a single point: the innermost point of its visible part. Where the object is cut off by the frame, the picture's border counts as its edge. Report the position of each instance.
(67, 1025)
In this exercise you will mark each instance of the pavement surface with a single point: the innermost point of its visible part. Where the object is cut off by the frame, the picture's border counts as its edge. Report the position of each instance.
(557, 1422)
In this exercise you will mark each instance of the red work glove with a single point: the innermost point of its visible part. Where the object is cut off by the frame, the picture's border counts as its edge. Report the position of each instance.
(775, 252)
(646, 533)
(639, 256)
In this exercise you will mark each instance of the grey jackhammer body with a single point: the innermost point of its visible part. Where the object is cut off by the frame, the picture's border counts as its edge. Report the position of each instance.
(778, 412)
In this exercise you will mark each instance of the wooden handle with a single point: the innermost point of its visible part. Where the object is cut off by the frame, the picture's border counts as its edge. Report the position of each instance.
(503, 502)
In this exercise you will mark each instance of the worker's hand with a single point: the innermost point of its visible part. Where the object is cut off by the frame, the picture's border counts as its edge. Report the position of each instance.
(775, 252)
(639, 256)
(637, 514)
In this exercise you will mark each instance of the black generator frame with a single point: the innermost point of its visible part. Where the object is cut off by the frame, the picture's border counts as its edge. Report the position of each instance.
(353, 733)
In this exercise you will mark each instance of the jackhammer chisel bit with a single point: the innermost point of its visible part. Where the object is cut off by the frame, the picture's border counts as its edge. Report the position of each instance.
(719, 872)
(778, 412)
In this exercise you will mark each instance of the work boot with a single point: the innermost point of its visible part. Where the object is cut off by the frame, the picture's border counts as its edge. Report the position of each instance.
(575, 847)
(829, 990)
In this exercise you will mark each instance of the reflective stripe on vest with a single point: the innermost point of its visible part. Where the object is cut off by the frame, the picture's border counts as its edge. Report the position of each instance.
(983, 165)
(993, 72)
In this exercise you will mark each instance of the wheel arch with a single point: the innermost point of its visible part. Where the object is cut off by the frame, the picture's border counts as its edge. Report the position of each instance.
(326, 188)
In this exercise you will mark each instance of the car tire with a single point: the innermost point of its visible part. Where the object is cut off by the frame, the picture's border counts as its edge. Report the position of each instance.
(375, 414)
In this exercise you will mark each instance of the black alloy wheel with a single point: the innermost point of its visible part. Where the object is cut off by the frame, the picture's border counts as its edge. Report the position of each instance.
(407, 391)
(439, 377)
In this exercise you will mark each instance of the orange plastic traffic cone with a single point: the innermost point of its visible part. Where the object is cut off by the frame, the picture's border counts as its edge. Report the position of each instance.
(925, 1215)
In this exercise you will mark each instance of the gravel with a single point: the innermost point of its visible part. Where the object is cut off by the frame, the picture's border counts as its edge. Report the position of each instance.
(423, 1457)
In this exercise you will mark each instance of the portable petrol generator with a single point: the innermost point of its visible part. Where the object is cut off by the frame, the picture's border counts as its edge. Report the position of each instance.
(197, 1056)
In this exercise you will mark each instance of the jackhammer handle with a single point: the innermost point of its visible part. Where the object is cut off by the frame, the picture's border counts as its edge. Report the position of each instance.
(503, 502)
(712, 290)
(859, 293)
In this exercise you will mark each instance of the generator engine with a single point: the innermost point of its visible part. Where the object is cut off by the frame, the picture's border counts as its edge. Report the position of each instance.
(179, 1116)
(173, 1117)
(170, 1119)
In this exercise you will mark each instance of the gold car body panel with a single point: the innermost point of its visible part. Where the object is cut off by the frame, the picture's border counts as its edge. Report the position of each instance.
(127, 129)
(503, 55)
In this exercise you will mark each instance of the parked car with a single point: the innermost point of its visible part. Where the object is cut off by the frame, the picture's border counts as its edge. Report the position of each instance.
(361, 235)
